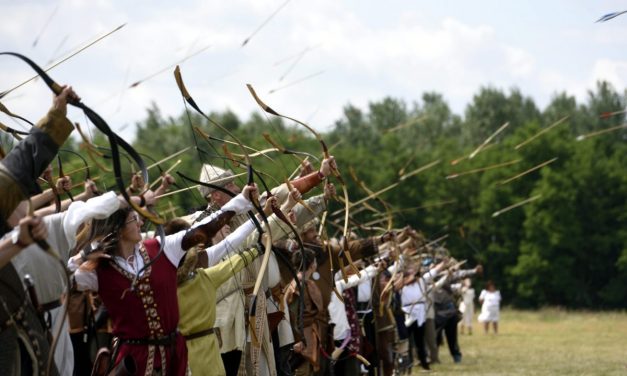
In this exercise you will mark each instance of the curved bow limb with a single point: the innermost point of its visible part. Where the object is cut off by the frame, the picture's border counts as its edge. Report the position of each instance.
(188, 98)
(114, 140)
(325, 151)
(268, 243)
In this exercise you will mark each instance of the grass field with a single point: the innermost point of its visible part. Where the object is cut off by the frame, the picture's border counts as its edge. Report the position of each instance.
(545, 342)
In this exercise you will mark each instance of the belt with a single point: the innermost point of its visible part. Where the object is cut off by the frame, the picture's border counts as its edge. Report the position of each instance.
(51, 305)
(205, 332)
(168, 340)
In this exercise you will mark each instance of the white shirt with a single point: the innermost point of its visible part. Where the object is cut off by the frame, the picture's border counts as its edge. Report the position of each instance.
(364, 292)
(88, 280)
(490, 299)
(414, 301)
(468, 296)
(337, 309)
(364, 289)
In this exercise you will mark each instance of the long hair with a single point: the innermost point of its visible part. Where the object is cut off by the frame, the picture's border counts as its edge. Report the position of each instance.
(109, 227)
(108, 231)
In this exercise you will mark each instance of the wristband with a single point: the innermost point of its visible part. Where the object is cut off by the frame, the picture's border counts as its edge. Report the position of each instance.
(321, 175)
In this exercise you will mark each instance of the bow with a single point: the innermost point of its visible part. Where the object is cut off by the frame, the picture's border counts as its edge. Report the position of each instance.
(188, 98)
(325, 151)
(276, 210)
(280, 255)
(368, 191)
(268, 243)
(114, 140)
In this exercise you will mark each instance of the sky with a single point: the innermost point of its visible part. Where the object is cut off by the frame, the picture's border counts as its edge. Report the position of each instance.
(357, 51)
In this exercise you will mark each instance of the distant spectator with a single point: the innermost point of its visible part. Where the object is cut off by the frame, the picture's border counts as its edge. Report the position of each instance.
(467, 305)
(490, 299)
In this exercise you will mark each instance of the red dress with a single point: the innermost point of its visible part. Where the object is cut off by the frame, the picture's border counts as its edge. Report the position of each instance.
(149, 312)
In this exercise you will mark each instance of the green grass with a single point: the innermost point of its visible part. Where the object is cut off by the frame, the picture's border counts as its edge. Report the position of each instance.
(545, 342)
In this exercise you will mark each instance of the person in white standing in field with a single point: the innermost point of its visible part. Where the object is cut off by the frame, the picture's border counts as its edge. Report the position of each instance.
(490, 298)
(467, 305)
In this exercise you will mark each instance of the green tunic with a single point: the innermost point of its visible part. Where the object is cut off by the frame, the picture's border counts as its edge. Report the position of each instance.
(197, 308)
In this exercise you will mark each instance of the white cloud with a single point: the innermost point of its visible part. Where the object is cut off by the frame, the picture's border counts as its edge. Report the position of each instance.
(367, 51)
(520, 62)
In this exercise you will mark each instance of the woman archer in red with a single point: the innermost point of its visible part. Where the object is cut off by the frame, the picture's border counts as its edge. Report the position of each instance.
(145, 314)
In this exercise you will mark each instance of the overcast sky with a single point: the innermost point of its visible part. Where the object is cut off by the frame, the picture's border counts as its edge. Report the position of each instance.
(365, 49)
